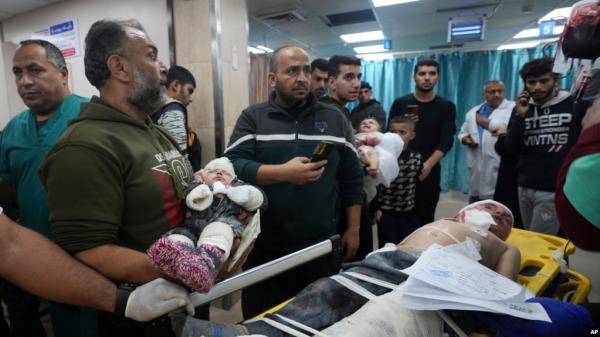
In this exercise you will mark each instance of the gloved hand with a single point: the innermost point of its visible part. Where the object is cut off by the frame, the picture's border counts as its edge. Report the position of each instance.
(199, 198)
(568, 319)
(156, 298)
(246, 196)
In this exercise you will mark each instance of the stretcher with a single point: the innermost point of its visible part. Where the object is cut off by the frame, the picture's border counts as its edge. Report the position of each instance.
(544, 270)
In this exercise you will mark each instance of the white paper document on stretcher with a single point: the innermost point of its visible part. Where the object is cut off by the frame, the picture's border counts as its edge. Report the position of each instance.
(444, 279)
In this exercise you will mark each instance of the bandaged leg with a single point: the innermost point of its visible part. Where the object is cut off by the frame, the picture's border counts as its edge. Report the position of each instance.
(385, 317)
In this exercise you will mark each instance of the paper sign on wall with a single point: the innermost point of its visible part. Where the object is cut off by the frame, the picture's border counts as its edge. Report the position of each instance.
(64, 35)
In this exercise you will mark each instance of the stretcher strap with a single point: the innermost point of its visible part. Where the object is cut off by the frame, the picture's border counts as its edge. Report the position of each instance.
(451, 323)
(283, 327)
(301, 326)
(371, 279)
(353, 286)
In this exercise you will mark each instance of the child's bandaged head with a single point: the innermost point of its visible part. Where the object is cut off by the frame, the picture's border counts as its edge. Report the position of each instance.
(223, 164)
(490, 215)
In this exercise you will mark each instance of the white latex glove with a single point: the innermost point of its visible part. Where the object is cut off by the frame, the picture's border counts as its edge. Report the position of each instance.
(218, 234)
(247, 196)
(156, 298)
(199, 198)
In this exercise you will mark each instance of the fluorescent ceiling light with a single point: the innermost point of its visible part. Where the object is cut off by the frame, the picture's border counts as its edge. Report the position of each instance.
(268, 50)
(563, 12)
(376, 48)
(535, 32)
(362, 37)
(256, 50)
(381, 3)
(376, 57)
(522, 45)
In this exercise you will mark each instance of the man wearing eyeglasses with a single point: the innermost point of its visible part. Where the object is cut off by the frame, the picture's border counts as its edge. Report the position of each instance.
(479, 134)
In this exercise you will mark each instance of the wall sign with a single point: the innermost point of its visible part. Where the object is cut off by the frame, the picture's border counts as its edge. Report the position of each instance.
(64, 35)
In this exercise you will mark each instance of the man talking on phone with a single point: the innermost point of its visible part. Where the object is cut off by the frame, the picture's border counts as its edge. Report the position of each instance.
(271, 146)
(544, 126)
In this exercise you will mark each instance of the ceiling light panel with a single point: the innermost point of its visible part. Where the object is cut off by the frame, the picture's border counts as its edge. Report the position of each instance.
(382, 3)
(377, 48)
(362, 37)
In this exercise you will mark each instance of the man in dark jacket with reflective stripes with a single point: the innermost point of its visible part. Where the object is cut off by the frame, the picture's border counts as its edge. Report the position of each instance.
(271, 146)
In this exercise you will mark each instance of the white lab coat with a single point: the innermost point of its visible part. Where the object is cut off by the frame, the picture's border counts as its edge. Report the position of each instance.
(483, 161)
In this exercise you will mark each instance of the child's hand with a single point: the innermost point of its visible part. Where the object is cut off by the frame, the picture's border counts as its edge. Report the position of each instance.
(378, 215)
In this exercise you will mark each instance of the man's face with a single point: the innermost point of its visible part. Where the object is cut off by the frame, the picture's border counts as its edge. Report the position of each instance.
(364, 95)
(318, 82)
(184, 93)
(291, 79)
(425, 78)
(148, 72)
(405, 131)
(494, 94)
(541, 88)
(347, 83)
(40, 84)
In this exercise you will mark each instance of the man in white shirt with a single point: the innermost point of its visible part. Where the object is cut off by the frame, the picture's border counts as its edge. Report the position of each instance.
(479, 134)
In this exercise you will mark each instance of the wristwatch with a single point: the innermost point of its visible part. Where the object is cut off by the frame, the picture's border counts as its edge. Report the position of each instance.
(124, 290)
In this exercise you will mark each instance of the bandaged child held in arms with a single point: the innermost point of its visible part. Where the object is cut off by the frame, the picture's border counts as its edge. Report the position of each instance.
(379, 153)
(219, 206)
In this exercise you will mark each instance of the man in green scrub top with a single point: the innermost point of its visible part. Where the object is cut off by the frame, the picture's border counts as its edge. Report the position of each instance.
(41, 77)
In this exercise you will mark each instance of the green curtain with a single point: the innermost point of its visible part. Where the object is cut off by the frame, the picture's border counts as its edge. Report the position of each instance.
(462, 75)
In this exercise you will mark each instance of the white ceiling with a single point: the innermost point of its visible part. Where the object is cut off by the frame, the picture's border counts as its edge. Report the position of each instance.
(10, 8)
(414, 26)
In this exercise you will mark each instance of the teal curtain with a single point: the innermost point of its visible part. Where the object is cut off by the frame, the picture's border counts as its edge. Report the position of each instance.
(462, 75)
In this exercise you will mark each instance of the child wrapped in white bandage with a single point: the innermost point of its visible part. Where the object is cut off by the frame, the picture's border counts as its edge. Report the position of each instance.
(379, 152)
(219, 206)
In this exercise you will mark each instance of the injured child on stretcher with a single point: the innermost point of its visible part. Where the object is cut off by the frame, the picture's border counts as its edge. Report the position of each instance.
(477, 231)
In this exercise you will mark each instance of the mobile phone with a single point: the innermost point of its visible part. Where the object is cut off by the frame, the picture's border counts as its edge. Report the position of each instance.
(321, 151)
(525, 101)
(413, 109)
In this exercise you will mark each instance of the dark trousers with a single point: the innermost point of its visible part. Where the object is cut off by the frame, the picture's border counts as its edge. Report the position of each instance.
(23, 311)
(395, 226)
(365, 232)
(428, 195)
(273, 291)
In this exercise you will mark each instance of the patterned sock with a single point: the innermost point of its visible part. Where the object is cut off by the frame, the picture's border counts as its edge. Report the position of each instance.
(194, 267)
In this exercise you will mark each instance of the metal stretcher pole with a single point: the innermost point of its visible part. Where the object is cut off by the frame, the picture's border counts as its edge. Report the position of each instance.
(267, 270)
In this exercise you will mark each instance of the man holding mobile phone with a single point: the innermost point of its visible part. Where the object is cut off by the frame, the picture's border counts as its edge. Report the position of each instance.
(544, 126)
(272, 146)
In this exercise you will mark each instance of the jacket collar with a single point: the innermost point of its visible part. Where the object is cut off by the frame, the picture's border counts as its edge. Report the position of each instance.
(308, 108)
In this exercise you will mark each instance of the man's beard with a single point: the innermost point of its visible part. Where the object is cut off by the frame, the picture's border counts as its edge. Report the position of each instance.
(290, 101)
(148, 95)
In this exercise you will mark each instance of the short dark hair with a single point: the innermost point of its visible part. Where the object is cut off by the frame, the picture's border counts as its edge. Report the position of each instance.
(181, 74)
(403, 120)
(427, 63)
(320, 64)
(53, 54)
(537, 67)
(105, 38)
(336, 61)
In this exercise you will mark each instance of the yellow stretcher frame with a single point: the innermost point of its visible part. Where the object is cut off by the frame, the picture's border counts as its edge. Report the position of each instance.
(537, 253)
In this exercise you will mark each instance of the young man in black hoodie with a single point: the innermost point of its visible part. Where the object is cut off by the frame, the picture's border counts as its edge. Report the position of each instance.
(544, 126)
